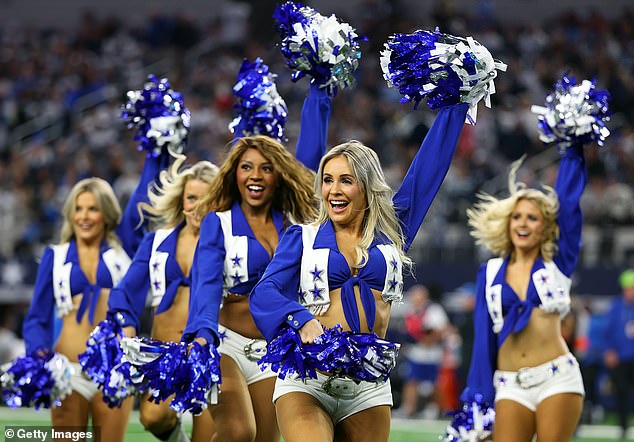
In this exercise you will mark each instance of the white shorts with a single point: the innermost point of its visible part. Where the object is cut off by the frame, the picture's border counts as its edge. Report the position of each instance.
(246, 352)
(530, 386)
(346, 396)
(82, 383)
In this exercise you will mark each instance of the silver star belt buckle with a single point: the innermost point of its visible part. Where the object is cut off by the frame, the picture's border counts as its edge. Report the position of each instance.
(340, 388)
(255, 349)
(530, 377)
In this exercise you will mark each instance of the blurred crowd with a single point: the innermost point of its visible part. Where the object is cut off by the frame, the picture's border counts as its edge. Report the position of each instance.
(61, 92)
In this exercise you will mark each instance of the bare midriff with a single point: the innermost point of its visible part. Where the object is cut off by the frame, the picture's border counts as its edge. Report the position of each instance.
(169, 325)
(236, 316)
(539, 342)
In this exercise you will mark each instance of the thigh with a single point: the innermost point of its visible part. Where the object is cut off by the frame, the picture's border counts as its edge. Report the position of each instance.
(297, 412)
(513, 422)
(233, 412)
(264, 410)
(72, 413)
(370, 424)
(557, 417)
(203, 427)
(111, 423)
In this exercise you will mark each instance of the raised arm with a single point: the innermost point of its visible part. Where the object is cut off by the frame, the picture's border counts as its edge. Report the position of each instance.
(484, 355)
(313, 132)
(207, 280)
(129, 230)
(38, 323)
(273, 301)
(127, 299)
(571, 181)
(428, 170)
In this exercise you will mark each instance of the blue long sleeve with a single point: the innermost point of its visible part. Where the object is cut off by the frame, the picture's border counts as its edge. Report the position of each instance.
(428, 170)
(39, 321)
(129, 230)
(128, 297)
(484, 355)
(273, 301)
(571, 181)
(207, 279)
(313, 132)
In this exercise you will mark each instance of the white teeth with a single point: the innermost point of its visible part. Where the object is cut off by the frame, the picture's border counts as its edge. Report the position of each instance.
(255, 188)
(338, 203)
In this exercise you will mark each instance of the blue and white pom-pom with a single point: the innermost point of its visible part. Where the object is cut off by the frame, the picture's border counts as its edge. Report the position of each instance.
(358, 356)
(320, 47)
(441, 68)
(36, 380)
(261, 110)
(166, 368)
(103, 364)
(574, 114)
(159, 115)
(472, 423)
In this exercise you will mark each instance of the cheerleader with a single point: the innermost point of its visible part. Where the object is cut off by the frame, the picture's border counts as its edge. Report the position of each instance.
(162, 266)
(346, 269)
(71, 291)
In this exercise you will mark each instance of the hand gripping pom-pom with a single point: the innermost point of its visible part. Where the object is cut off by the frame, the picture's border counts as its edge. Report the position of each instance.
(358, 356)
(261, 110)
(36, 380)
(574, 114)
(441, 68)
(321, 47)
(160, 117)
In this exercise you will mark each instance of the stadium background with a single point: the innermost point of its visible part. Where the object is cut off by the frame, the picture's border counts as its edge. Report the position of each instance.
(64, 71)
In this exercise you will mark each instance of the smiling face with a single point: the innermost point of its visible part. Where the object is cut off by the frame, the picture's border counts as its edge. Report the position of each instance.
(88, 219)
(526, 226)
(256, 179)
(194, 190)
(342, 193)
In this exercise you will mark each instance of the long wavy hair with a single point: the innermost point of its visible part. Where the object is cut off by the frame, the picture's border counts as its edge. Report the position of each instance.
(380, 217)
(293, 196)
(165, 209)
(106, 201)
(489, 218)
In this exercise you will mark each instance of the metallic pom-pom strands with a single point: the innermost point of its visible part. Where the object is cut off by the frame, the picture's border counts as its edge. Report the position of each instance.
(318, 46)
(166, 368)
(358, 356)
(441, 68)
(574, 114)
(36, 380)
(102, 363)
(473, 422)
(161, 118)
(260, 109)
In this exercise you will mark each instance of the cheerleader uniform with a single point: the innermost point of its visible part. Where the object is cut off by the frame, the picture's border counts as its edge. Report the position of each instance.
(307, 265)
(499, 311)
(60, 277)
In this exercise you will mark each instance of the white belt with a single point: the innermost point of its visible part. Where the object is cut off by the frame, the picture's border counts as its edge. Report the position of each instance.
(341, 388)
(530, 377)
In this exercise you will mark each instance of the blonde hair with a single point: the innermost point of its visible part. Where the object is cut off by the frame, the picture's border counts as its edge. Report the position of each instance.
(293, 196)
(165, 209)
(106, 202)
(490, 217)
(380, 217)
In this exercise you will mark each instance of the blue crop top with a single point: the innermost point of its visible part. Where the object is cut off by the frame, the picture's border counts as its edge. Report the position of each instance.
(155, 269)
(296, 284)
(60, 276)
(499, 311)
